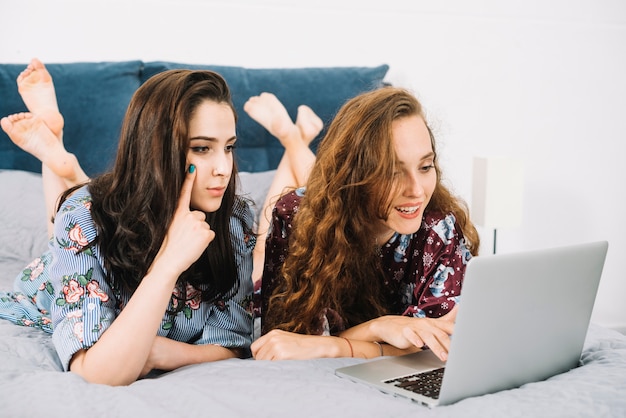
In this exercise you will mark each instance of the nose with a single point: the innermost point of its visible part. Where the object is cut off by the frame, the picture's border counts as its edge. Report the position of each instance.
(222, 165)
(413, 186)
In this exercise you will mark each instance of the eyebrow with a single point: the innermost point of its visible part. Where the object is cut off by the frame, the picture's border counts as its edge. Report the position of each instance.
(424, 157)
(211, 139)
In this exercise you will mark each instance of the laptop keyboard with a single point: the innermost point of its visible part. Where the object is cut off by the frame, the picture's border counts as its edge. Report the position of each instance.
(424, 383)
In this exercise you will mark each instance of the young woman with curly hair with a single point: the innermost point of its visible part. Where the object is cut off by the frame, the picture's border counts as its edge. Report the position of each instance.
(369, 258)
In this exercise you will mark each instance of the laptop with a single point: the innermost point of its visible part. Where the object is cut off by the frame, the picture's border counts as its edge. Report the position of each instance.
(522, 318)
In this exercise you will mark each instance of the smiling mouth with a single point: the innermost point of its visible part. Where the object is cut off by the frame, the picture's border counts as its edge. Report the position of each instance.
(407, 210)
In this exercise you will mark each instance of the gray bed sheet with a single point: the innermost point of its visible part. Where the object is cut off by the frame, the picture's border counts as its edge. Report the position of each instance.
(32, 383)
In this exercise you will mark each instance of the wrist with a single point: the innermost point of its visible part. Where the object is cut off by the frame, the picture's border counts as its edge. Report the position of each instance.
(350, 347)
(166, 271)
(374, 329)
(381, 352)
(334, 347)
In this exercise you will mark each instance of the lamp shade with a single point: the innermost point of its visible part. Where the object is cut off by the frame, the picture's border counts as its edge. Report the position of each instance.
(497, 188)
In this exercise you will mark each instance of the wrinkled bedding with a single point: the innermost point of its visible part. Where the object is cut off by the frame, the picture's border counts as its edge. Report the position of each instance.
(31, 383)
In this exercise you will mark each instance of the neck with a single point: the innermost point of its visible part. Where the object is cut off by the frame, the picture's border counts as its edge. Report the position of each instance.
(383, 236)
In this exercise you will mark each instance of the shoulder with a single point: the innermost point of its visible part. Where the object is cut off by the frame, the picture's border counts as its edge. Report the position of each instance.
(80, 199)
(441, 233)
(289, 202)
(440, 229)
(243, 213)
(74, 215)
(242, 226)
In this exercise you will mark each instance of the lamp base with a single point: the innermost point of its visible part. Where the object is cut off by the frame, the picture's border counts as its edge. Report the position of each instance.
(494, 239)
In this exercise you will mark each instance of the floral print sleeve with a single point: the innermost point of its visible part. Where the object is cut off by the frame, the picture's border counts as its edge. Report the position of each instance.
(84, 306)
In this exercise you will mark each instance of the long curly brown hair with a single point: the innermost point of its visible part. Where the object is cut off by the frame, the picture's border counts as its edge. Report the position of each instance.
(332, 261)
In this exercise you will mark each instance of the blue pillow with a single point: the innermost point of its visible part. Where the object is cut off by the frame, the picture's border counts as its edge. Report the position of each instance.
(324, 89)
(92, 97)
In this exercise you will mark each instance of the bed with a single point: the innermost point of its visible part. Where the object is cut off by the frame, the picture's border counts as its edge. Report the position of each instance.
(32, 383)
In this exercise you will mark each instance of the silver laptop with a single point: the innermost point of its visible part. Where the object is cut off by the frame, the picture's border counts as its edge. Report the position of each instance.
(522, 318)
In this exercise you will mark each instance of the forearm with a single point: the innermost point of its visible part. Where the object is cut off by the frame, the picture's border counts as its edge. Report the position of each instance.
(120, 354)
(170, 354)
(371, 348)
(406, 333)
(283, 345)
(367, 332)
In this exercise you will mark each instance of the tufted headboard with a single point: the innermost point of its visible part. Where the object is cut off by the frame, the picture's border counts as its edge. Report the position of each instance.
(93, 97)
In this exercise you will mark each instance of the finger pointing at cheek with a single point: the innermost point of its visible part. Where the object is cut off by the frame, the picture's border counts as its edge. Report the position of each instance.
(184, 200)
(189, 234)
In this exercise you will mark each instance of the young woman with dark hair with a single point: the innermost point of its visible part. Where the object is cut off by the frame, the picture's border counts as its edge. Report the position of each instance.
(149, 265)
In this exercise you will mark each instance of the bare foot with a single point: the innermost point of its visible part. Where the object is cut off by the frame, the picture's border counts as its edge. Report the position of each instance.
(309, 124)
(267, 110)
(37, 90)
(29, 132)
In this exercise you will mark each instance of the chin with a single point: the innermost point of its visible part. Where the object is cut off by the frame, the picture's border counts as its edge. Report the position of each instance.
(207, 207)
(212, 208)
(405, 227)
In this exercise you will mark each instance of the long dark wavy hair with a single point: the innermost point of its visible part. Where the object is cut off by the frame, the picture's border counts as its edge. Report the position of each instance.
(332, 261)
(133, 204)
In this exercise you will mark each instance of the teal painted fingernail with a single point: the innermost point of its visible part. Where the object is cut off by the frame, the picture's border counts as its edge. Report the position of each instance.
(192, 168)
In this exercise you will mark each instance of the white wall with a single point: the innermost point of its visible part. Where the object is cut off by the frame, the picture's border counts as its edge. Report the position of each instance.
(541, 80)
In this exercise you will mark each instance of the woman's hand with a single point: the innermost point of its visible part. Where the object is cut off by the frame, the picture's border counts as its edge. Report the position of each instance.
(404, 332)
(187, 236)
(283, 345)
(408, 333)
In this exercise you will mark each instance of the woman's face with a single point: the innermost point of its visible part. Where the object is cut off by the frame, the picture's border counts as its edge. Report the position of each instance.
(212, 137)
(416, 177)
